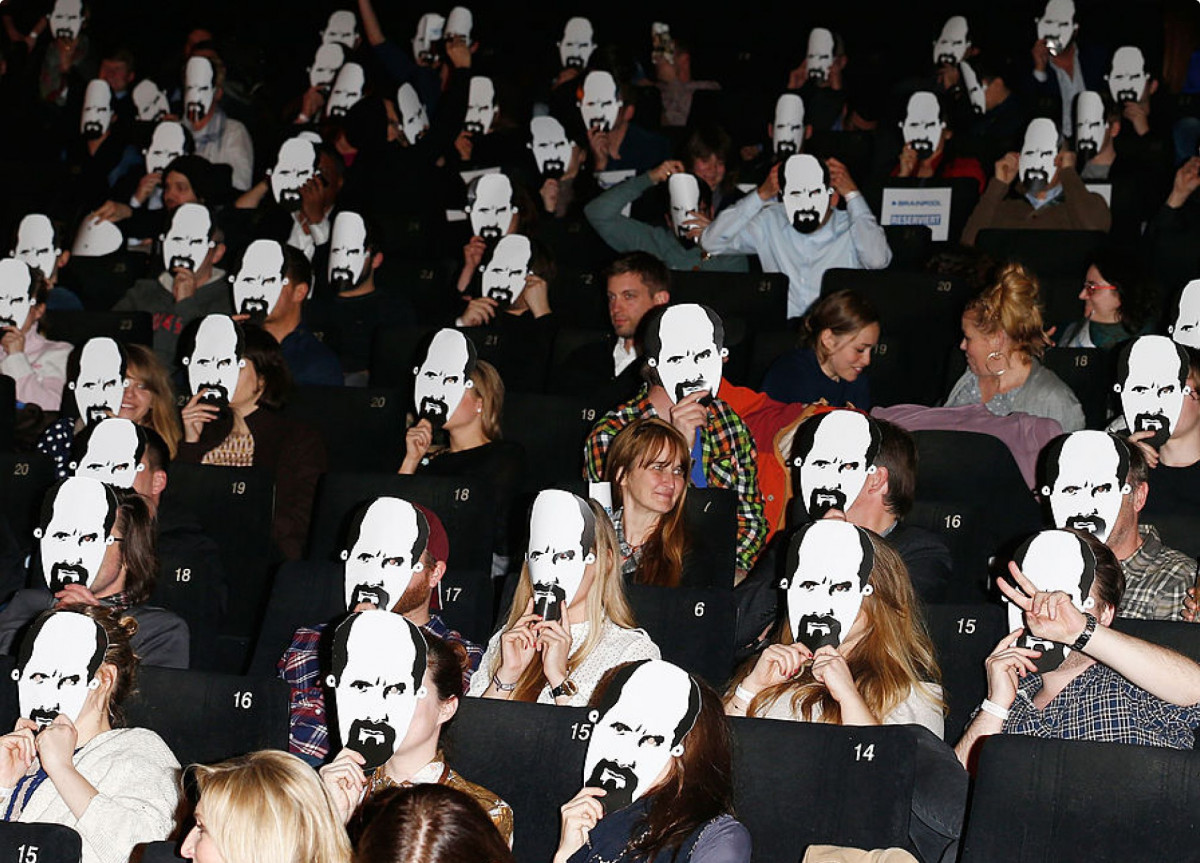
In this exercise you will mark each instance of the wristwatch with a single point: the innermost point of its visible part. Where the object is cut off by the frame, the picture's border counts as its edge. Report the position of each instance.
(567, 688)
(1085, 636)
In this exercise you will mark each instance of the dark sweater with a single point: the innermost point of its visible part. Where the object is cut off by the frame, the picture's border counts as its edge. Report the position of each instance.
(797, 377)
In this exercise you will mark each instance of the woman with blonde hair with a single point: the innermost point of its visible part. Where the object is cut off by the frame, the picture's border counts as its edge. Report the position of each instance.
(266, 806)
(1003, 339)
(554, 661)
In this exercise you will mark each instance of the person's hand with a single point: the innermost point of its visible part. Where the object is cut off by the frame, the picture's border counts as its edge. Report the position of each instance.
(1048, 614)
(112, 211)
(770, 186)
(779, 663)
(831, 669)
(839, 177)
(554, 644)
(1005, 665)
(1191, 607)
(458, 52)
(1041, 55)
(688, 414)
(16, 755)
(76, 594)
(312, 102)
(344, 780)
(598, 144)
(195, 415)
(13, 341)
(578, 816)
(416, 443)
(30, 40)
(518, 645)
(1006, 168)
(798, 76)
(536, 295)
(695, 223)
(183, 284)
(1187, 180)
(145, 188)
(1148, 452)
(549, 191)
(473, 253)
(948, 76)
(660, 173)
(463, 145)
(908, 161)
(1138, 113)
(1065, 159)
(55, 745)
(479, 311)
(312, 209)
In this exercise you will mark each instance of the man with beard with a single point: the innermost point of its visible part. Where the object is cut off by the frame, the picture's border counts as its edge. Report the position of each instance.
(615, 142)
(806, 233)
(295, 201)
(39, 243)
(926, 132)
(1048, 193)
(833, 454)
(36, 364)
(310, 362)
(219, 138)
(443, 377)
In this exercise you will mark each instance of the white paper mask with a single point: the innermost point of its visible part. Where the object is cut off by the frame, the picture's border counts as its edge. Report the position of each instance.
(975, 94)
(787, 132)
(295, 165)
(1036, 166)
(347, 90)
(1057, 25)
(215, 360)
(1085, 481)
(186, 242)
(342, 29)
(459, 24)
(1089, 124)
(481, 105)
(114, 453)
(953, 42)
(16, 278)
(327, 62)
(384, 555)
(66, 19)
(601, 102)
(167, 144)
(835, 453)
(1127, 77)
(378, 669)
(562, 535)
(1186, 329)
(686, 351)
(35, 244)
(577, 43)
(505, 271)
(96, 238)
(923, 126)
(684, 193)
(819, 55)
(829, 564)
(79, 515)
(199, 88)
(429, 31)
(413, 120)
(150, 101)
(97, 110)
(100, 385)
(491, 206)
(806, 197)
(641, 722)
(662, 45)
(1152, 382)
(57, 665)
(1053, 560)
(260, 280)
(443, 376)
(551, 149)
(348, 252)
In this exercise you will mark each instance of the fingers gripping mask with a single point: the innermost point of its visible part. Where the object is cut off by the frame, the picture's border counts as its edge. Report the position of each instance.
(684, 193)
(112, 452)
(260, 280)
(199, 88)
(379, 662)
(150, 101)
(685, 346)
(1186, 329)
(490, 206)
(577, 44)
(429, 33)
(807, 196)
(385, 554)
(1089, 124)
(1053, 560)
(1057, 25)
(16, 279)
(186, 242)
(481, 105)
(787, 132)
(348, 252)
(640, 724)
(97, 110)
(66, 19)
(295, 165)
(505, 271)
(57, 665)
(327, 62)
(819, 55)
(1035, 165)
(829, 565)
(1127, 77)
(923, 125)
(1152, 382)
(1085, 481)
(215, 360)
(414, 121)
(975, 95)
(78, 516)
(36, 245)
(341, 29)
(167, 144)
(952, 44)
(600, 102)
(443, 376)
(347, 90)
(834, 453)
(101, 382)
(551, 149)
(562, 541)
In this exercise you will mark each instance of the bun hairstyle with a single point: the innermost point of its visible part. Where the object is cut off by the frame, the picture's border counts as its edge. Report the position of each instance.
(119, 629)
(1012, 304)
(843, 313)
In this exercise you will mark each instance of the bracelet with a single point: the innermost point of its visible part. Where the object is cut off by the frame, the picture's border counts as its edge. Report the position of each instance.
(1089, 629)
(994, 709)
(744, 694)
(503, 687)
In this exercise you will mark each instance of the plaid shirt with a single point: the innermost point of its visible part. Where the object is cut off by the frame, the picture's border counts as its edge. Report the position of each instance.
(300, 666)
(730, 461)
(1156, 579)
(1102, 705)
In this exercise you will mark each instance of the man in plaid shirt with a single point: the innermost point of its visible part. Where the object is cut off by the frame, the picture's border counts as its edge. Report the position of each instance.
(684, 347)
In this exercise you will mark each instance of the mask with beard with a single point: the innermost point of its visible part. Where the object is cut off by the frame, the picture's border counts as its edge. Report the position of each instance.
(1036, 167)
(1053, 560)
(16, 280)
(551, 149)
(505, 271)
(490, 206)
(923, 125)
(1152, 382)
(600, 101)
(97, 110)
(787, 132)
(828, 568)
(834, 454)
(99, 386)
(577, 44)
(216, 360)
(260, 280)
(1085, 481)
(295, 165)
(57, 665)
(349, 257)
(1127, 77)
(1089, 125)
(951, 46)
(685, 348)
(806, 196)
(199, 88)
(78, 517)
(443, 377)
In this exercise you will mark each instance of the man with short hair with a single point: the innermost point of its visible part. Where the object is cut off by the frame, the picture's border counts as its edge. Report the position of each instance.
(310, 362)
(219, 138)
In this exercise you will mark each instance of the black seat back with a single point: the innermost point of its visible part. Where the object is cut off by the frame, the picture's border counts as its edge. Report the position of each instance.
(693, 627)
(77, 327)
(964, 636)
(305, 593)
(39, 843)
(24, 480)
(1090, 373)
(363, 427)
(757, 297)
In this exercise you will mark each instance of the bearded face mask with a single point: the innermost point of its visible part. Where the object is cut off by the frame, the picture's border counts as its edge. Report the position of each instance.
(16, 279)
(1152, 382)
(577, 44)
(834, 453)
(829, 566)
(951, 46)
(342, 29)
(491, 206)
(295, 165)
(685, 347)
(1089, 124)
(1127, 77)
(684, 193)
(66, 19)
(167, 144)
(1057, 25)
(806, 196)
(348, 252)
(1085, 481)
(187, 242)
(787, 132)
(443, 376)
(1053, 560)
(601, 101)
(150, 101)
(113, 451)
(261, 279)
(562, 536)
(101, 382)
(413, 120)
(1036, 166)
(57, 665)
(1186, 329)
(386, 553)
(481, 105)
(923, 126)
(429, 32)
(329, 59)
(199, 88)
(505, 271)
(97, 110)
(36, 245)
(78, 516)
(551, 149)
(819, 55)
(215, 360)
(347, 90)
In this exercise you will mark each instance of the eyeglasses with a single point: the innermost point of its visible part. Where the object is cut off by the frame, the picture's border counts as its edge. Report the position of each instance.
(1092, 287)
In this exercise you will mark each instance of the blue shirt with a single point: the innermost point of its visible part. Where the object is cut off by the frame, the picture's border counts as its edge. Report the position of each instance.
(798, 377)
(310, 362)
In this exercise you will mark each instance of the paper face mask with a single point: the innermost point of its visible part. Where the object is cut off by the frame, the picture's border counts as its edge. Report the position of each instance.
(1085, 481)
(975, 94)
(341, 29)
(684, 193)
(97, 110)
(1089, 124)
(459, 23)
(385, 554)
(1186, 329)
(662, 46)
(1152, 382)
(15, 302)
(429, 33)
(151, 102)
(1127, 77)
(828, 564)
(443, 376)
(167, 144)
(347, 90)
(258, 283)
(490, 205)
(348, 253)
(551, 149)
(787, 132)
(952, 44)
(642, 722)
(504, 273)
(378, 667)
(1036, 166)
(77, 520)
(329, 59)
(215, 360)
(66, 19)
(186, 242)
(113, 451)
(295, 165)
(577, 44)
(100, 385)
(1053, 560)
(198, 88)
(601, 101)
(819, 55)
(923, 126)
(413, 120)
(35, 244)
(806, 196)
(562, 536)
(685, 346)
(96, 238)
(57, 664)
(835, 453)
(1057, 25)
(481, 105)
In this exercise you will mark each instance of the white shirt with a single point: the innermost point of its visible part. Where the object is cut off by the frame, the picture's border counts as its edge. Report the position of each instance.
(920, 708)
(225, 141)
(623, 357)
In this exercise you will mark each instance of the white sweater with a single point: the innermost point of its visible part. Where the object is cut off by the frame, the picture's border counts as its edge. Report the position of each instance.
(137, 778)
